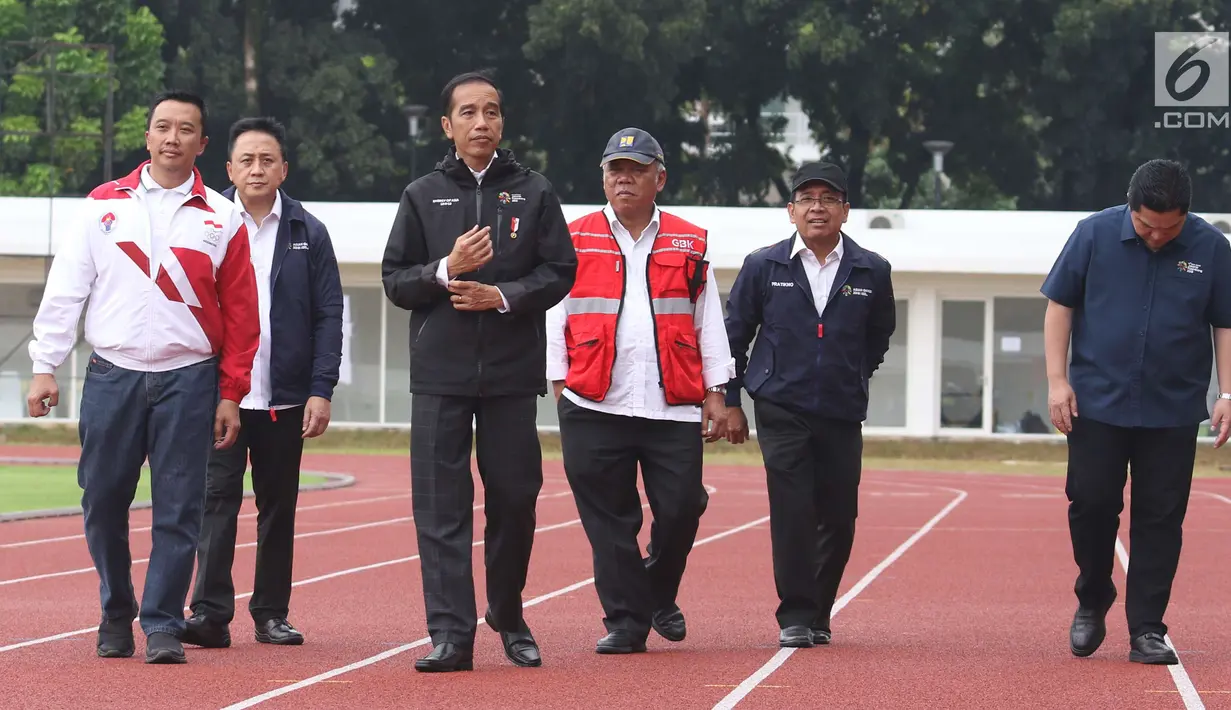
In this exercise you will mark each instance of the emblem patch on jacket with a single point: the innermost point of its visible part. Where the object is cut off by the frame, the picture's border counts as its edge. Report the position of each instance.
(213, 232)
(107, 222)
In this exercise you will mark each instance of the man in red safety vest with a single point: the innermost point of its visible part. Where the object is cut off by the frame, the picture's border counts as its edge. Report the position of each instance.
(639, 358)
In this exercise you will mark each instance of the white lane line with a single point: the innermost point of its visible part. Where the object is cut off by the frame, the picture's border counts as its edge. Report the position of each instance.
(779, 658)
(1184, 684)
(321, 506)
(327, 675)
(300, 583)
(299, 536)
(1216, 496)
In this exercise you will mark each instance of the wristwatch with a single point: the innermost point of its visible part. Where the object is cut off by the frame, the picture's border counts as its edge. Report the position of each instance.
(1224, 395)
(722, 389)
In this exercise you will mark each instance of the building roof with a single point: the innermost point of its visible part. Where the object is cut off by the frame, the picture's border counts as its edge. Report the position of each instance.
(926, 241)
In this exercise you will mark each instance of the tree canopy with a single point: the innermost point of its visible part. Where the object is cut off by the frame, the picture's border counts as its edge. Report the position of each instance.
(1049, 103)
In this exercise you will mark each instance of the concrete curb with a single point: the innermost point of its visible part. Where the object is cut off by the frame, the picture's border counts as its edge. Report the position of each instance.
(333, 480)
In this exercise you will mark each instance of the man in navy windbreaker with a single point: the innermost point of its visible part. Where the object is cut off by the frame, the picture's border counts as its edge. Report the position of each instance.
(293, 376)
(821, 309)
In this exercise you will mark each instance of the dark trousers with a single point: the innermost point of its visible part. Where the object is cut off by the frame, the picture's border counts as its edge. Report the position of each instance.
(601, 453)
(127, 416)
(812, 467)
(1162, 464)
(510, 462)
(275, 445)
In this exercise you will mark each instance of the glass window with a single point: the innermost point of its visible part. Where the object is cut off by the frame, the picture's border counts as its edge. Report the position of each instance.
(397, 364)
(18, 305)
(961, 368)
(1019, 369)
(547, 413)
(357, 396)
(887, 389)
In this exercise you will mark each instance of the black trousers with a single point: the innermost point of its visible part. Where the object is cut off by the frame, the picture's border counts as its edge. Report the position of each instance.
(275, 446)
(506, 442)
(601, 454)
(812, 467)
(1162, 464)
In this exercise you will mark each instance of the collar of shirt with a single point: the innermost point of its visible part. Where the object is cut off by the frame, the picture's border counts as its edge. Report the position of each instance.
(835, 255)
(478, 174)
(651, 229)
(276, 212)
(149, 185)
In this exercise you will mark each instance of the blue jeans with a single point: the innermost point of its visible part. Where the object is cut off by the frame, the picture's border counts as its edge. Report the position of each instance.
(127, 416)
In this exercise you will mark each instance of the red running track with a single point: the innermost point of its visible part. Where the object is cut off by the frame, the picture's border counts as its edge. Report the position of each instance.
(958, 594)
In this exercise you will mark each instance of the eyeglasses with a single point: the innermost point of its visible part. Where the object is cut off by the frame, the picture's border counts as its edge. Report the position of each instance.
(826, 200)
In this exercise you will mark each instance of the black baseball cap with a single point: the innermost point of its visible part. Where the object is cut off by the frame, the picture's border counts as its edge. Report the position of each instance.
(827, 173)
(633, 144)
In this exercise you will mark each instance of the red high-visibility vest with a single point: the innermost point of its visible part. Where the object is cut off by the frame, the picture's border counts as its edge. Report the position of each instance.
(675, 273)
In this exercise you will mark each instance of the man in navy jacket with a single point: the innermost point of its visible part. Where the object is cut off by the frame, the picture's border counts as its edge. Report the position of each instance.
(821, 309)
(293, 377)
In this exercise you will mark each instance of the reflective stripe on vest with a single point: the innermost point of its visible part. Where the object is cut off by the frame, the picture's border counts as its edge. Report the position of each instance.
(576, 306)
(673, 306)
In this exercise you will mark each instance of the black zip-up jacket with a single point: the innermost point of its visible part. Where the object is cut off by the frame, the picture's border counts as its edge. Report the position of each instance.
(479, 353)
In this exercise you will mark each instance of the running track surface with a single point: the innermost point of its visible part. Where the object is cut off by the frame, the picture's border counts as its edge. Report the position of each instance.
(958, 594)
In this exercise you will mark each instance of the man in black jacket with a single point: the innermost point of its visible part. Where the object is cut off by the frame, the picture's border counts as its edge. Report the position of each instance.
(295, 370)
(478, 252)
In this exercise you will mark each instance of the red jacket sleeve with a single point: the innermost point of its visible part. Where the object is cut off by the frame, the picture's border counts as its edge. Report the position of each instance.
(241, 319)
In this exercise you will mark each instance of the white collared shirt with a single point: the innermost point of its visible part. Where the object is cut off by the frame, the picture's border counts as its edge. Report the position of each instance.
(635, 389)
(820, 276)
(163, 202)
(262, 241)
(442, 271)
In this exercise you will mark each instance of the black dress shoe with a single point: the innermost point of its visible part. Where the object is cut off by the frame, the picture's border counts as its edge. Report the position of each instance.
(1151, 648)
(669, 623)
(115, 639)
(620, 641)
(795, 637)
(164, 648)
(519, 646)
(1087, 632)
(445, 658)
(278, 632)
(200, 631)
(821, 636)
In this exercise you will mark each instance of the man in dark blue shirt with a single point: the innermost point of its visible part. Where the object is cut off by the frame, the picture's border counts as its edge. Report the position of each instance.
(821, 309)
(1138, 287)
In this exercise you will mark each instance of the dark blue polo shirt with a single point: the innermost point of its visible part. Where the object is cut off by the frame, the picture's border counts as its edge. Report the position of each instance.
(1142, 338)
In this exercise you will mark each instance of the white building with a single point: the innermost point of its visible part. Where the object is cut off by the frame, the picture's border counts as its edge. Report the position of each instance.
(966, 360)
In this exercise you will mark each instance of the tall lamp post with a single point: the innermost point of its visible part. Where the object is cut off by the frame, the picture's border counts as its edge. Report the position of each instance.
(938, 150)
(413, 113)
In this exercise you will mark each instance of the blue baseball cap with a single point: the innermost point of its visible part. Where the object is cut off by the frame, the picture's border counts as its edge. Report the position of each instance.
(633, 144)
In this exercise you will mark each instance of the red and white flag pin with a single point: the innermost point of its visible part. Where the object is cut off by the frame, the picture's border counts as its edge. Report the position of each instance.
(513, 222)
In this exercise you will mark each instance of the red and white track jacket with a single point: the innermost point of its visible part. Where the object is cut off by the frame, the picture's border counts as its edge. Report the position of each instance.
(190, 297)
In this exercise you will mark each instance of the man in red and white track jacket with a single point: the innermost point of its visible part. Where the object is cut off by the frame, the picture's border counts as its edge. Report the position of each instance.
(173, 321)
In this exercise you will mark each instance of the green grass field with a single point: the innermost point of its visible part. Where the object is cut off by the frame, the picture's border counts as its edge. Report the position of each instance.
(40, 487)
(1031, 457)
